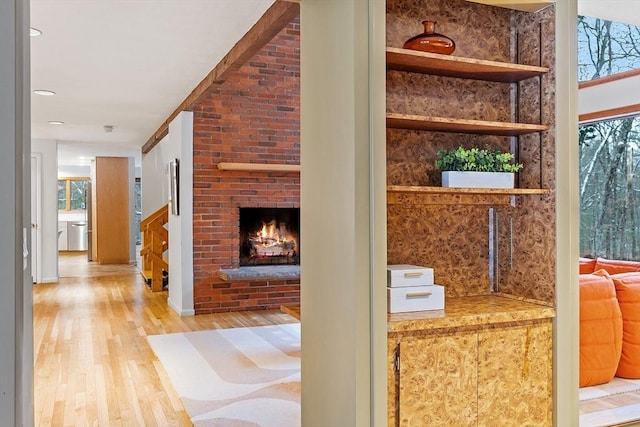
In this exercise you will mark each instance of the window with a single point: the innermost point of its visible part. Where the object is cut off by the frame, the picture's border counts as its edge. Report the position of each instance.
(606, 48)
(610, 189)
(72, 194)
(609, 149)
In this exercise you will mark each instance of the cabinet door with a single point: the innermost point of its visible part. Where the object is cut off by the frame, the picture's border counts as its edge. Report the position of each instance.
(515, 376)
(438, 381)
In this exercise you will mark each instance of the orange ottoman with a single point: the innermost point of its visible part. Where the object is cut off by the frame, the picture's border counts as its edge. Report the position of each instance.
(600, 329)
(614, 266)
(587, 265)
(628, 292)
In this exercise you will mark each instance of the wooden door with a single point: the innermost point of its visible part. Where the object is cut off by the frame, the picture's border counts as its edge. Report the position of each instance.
(515, 376)
(438, 381)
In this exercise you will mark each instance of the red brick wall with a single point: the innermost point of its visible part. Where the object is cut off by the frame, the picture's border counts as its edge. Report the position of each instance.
(252, 117)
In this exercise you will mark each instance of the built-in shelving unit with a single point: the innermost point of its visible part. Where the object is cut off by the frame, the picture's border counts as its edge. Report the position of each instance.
(455, 66)
(414, 189)
(443, 124)
(486, 245)
(465, 68)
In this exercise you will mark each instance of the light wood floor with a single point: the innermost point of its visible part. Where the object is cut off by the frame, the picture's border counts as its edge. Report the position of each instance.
(93, 366)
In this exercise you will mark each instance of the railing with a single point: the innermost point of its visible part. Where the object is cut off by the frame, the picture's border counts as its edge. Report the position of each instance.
(156, 241)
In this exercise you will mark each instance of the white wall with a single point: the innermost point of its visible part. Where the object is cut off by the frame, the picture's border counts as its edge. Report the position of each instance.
(74, 171)
(155, 181)
(178, 144)
(48, 258)
(607, 96)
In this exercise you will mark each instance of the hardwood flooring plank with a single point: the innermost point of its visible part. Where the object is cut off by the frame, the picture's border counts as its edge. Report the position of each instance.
(101, 398)
(174, 399)
(93, 365)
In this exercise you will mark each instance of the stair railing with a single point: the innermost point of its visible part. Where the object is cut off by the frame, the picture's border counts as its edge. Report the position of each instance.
(155, 239)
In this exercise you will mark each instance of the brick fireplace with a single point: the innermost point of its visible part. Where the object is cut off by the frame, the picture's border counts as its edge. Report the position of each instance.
(253, 117)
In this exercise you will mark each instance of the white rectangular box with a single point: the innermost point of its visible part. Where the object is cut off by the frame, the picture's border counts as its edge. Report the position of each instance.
(470, 179)
(408, 275)
(415, 298)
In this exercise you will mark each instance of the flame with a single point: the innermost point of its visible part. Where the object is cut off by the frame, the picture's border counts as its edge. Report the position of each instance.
(271, 236)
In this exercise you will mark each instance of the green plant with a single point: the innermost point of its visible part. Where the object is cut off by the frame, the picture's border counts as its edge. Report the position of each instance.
(477, 160)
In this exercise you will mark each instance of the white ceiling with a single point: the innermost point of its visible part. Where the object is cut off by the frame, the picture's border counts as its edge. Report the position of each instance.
(625, 11)
(130, 63)
(124, 63)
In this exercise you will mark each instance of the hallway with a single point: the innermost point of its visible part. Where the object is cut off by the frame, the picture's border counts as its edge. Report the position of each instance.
(93, 366)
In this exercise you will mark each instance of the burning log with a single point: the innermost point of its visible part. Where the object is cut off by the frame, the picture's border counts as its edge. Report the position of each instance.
(272, 241)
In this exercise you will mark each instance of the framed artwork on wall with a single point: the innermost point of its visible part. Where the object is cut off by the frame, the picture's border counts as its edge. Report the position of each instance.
(174, 181)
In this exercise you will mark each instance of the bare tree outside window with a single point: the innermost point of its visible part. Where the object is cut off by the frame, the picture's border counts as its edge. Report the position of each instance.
(606, 48)
(609, 150)
(72, 194)
(610, 189)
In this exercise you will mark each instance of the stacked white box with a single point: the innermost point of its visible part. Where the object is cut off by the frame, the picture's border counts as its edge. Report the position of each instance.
(411, 288)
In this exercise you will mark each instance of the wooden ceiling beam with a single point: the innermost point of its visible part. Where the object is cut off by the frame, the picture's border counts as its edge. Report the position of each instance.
(268, 26)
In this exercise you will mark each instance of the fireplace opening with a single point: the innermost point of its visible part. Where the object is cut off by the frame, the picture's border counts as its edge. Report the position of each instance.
(269, 236)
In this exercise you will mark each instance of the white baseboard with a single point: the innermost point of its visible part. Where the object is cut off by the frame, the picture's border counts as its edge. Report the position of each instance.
(181, 312)
(49, 280)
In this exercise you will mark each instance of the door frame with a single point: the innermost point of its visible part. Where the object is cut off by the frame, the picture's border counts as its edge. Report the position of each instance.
(36, 208)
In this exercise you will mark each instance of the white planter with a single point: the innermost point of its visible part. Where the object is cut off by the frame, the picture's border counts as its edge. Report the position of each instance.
(477, 179)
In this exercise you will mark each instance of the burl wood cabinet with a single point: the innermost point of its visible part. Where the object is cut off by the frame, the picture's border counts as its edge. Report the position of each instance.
(486, 359)
(482, 361)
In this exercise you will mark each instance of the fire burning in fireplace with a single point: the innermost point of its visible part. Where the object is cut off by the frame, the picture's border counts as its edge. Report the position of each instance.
(269, 236)
(272, 241)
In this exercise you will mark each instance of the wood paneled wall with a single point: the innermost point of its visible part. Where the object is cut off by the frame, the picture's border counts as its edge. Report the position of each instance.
(452, 235)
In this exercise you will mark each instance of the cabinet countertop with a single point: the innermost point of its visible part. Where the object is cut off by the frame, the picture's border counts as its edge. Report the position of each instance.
(470, 312)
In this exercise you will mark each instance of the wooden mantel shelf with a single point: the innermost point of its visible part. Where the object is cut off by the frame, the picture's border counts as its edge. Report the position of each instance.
(259, 167)
(443, 124)
(456, 66)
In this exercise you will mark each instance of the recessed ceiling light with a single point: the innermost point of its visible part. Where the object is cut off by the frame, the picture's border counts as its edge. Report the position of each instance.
(44, 92)
(34, 32)
(55, 122)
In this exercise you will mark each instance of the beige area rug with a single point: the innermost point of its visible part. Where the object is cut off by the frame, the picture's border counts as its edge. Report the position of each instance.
(613, 415)
(241, 377)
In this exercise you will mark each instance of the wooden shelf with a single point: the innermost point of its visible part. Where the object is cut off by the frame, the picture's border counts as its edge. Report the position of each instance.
(443, 124)
(259, 167)
(454, 66)
(451, 190)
